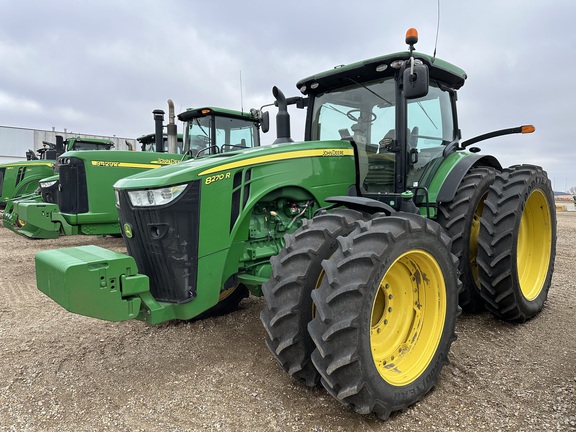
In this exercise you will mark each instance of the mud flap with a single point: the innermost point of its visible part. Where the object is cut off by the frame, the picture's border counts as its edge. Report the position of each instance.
(92, 281)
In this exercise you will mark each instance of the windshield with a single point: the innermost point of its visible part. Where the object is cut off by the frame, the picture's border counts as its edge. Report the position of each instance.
(215, 134)
(367, 113)
(88, 145)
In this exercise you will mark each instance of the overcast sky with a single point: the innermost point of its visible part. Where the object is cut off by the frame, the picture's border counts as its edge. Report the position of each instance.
(101, 67)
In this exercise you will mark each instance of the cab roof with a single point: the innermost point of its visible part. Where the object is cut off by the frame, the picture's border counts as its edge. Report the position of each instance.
(191, 113)
(379, 67)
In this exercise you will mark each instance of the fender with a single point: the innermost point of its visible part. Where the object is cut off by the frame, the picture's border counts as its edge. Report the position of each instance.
(362, 204)
(453, 180)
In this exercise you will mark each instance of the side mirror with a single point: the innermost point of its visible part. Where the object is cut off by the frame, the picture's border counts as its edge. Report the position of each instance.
(265, 122)
(415, 84)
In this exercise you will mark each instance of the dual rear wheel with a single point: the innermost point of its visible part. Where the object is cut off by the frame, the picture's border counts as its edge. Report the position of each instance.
(368, 306)
(517, 243)
(503, 229)
(370, 312)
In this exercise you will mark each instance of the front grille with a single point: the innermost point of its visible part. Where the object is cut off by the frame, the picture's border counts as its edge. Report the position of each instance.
(164, 243)
(73, 190)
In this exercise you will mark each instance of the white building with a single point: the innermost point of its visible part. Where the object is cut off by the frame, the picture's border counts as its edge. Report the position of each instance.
(14, 142)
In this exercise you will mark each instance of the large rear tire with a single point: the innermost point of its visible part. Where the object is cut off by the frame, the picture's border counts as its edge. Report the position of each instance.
(296, 272)
(517, 243)
(461, 220)
(386, 312)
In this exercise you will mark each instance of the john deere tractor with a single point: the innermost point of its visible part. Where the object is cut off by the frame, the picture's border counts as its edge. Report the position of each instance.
(48, 189)
(81, 199)
(21, 178)
(362, 239)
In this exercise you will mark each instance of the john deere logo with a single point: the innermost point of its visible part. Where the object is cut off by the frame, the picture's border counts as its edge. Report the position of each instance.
(128, 230)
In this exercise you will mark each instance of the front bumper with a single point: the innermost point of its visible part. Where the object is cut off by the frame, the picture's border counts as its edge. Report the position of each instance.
(36, 219)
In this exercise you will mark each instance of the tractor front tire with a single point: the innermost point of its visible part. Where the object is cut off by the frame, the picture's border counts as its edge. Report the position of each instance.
(296, 272)
(386, 313)
(461, 220)
(517, 243)
(228, 302)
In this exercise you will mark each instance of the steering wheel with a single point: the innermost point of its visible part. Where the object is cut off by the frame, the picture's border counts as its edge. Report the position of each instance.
(202, 138)
(352, 115)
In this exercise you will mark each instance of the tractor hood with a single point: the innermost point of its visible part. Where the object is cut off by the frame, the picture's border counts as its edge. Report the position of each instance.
(121, 158)
(25, 163)
(222, 163)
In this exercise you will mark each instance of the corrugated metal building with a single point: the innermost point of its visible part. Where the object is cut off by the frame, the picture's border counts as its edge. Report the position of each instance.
(14, 142)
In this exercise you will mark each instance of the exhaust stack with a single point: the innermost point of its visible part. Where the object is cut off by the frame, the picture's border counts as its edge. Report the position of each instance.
(59, 144)
(172, 129)
(282, 118)
(159, 129)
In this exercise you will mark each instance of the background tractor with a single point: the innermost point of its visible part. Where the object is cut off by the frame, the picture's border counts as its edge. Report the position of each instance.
(378, 225)
(80, 200)
(48, 188)
(22, 178)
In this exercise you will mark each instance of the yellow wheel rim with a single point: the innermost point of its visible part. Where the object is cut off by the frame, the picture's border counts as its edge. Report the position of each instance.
(534, 245)
(408, 317)
(226, 293)
(473, 244)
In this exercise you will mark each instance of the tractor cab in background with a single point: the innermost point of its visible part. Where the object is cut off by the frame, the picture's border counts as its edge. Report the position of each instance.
(215, 130)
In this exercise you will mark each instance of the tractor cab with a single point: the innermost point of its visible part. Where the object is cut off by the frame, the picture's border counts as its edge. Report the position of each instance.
(148, 142)
(399, 112)
(214, 130)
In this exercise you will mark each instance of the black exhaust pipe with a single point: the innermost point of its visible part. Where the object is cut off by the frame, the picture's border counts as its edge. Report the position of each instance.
(282, 118)
(60, 143)
(159, 129)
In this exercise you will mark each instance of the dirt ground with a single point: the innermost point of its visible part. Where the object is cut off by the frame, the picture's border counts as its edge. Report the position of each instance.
(63, 372)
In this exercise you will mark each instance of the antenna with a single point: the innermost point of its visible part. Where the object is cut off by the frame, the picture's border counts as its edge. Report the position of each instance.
(437, 30)
(241, 94)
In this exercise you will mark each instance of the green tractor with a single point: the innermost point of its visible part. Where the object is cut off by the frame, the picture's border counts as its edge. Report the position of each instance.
(80, 200)
(22, 178)
(48, 189)
(363, 239)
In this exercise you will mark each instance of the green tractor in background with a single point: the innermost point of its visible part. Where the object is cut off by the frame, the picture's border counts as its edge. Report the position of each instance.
(363, 239)
(80, 199)
(48, 189)
(22, 178)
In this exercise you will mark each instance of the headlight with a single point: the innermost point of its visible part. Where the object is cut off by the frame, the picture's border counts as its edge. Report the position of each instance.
(48, 184)
(155, 197)
(117, 196)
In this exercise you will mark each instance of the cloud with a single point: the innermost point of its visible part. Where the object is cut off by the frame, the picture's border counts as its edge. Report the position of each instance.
(102, 66)
(11, 104)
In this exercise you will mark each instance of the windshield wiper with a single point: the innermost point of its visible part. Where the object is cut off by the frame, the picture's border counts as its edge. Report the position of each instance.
(201, 128)
(371, 91)
(424, 110)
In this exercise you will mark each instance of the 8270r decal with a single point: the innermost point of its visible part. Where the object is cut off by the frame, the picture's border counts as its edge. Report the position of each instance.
(217, 177)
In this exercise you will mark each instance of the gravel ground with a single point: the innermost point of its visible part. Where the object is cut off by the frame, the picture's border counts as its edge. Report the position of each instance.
(63, 372)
